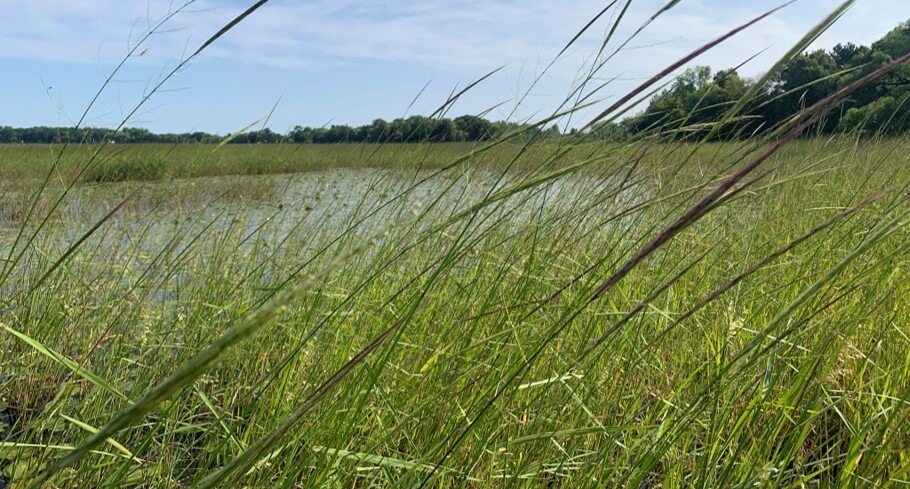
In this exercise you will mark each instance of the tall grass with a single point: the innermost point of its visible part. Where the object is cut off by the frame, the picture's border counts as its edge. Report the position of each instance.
(575, 314)
(22, 164)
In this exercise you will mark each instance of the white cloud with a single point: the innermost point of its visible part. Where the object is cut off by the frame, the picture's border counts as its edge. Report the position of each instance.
(460, 36)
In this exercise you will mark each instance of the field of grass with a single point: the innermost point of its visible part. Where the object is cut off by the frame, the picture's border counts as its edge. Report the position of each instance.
(511, 313)
(139, 162)
(472, 323)
(22, 164)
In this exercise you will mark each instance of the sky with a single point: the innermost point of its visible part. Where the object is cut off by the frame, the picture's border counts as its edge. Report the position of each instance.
(321, 62)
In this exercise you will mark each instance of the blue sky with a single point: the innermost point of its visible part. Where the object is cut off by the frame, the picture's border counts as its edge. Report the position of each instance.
(343, 61)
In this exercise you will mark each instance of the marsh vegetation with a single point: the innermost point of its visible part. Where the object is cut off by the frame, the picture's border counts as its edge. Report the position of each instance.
(517, 312)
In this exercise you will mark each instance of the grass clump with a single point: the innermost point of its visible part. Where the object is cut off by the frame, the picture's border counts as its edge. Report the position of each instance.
(123, 168)
(471, 296)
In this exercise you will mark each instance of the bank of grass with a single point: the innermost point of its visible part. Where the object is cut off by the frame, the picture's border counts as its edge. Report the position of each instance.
(503, 315)
(126, 162)
(22, 164)
(795, 375)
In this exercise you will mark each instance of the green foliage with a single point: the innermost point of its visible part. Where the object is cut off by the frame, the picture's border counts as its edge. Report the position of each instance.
(90, 135)
(403, 130)
(738, 393)
(885, 115)
(408, 130)
(123, 167)
(530, 311)
(896, 42)
(696, 100)
(31, 162)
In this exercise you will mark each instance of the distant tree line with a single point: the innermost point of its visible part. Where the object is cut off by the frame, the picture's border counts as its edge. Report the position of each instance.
(43, 134)
(416, 129)
(690, 107)
(402, 130)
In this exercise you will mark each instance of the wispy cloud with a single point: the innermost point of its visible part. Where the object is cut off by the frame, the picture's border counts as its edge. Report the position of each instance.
(460, 36)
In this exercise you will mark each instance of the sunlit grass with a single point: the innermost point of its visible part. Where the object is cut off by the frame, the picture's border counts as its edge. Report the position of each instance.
(507, 314)
(146, 293)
